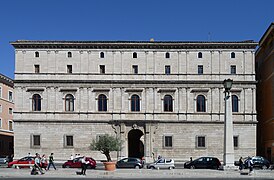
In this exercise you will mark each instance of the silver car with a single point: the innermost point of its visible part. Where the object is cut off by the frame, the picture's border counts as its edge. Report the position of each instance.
(3, 159)
(162, 164)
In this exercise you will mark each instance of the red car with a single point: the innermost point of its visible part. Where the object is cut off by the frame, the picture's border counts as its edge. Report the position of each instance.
(76, 163)
(24, 162)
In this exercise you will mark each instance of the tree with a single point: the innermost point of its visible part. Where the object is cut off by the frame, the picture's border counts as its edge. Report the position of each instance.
(106, 144)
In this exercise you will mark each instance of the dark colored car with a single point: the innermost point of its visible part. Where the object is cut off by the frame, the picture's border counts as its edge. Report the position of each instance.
(76, 163)
(24, 162)
(203, 163)
(258, 162)
(130, 163)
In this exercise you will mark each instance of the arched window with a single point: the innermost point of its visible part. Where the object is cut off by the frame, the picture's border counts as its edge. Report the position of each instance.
(134, 55)
(69, 103)
(167, 55)
(235, 103)
(69, 54)
(201, 104)
(36, 102)
(36, 54)
(200, 55)
(135, 103)
(102, 102)
(232, 55)
(102, 55)
(168, 105)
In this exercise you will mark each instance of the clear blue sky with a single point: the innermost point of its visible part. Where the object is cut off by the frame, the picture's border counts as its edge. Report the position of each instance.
(174, 20)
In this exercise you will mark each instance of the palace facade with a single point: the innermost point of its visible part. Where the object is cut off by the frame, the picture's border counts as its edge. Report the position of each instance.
(160, 98)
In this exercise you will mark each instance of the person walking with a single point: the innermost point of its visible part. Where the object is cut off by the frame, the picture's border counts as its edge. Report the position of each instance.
(37, 163)
(43, 162)
(83, 165)
(51, 161)
(241, 163)
(250, 165)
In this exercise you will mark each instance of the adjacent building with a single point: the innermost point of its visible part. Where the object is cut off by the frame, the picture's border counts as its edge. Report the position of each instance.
(6, 115)
(265, 94)
(160, 98)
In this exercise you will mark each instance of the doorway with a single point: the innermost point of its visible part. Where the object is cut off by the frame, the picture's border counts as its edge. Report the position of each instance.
(135, 145)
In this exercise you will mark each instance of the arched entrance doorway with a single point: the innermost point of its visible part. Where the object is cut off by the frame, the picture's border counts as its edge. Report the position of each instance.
(135, 145)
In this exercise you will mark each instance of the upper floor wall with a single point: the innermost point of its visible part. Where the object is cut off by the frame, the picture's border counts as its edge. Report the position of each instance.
(51, 60)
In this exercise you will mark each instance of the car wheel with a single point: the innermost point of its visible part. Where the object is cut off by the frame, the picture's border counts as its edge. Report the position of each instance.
(192, 167)
(171, 168)
(264, 167)
(137, 167)
(151, 167)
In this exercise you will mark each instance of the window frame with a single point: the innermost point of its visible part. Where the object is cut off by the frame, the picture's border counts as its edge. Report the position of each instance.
(10, 111)
(167, 70)
(135, 69)
(102, 69)
(67, 140)
(102, 103)
(135, 103)
(36, 68)
(69, 103)
(232, 55)
(36, 102)
(200, 55)
(235, 103)
(69, 55)
(168, 141)
(168, 103)
(200, 103)
(1, 92)
(34, 140)
(10, 125)
(167, 55)
(69, 69)
(236, 139)
(36, 54)
(102, 55)
(134, 55)
(10, 96)
(200, 69)
(233, 69)
(201, 142)
(0, 123)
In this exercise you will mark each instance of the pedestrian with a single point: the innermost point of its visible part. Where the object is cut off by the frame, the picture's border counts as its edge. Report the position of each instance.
(37, 164)
(84, 165)
(51, 161)
(241, 163)
(250, 165)
(43, 162)
(159, 157)
(190, 159)
(71, 157)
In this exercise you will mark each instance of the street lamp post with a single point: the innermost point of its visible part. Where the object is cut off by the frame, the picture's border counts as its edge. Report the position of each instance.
(228, 127)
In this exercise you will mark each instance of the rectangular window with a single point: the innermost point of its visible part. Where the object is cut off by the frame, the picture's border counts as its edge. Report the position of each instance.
(10, 110)
(201, 142)
(167, 70)
(232, 69)
(200, 69)
(36, 69)
(0, 108)
(36, 140)
(69, 140)
(69, 69)
(135, 69)
(0, 92)
(0, 123)
(102, 69)
(10, 96)
(168, 141)
(236, 141)
(10, 125)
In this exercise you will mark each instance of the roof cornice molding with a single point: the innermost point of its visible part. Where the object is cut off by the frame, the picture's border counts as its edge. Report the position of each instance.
(25, 44)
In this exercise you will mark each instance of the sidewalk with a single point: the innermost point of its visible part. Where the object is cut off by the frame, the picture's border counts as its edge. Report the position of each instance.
(136, 173)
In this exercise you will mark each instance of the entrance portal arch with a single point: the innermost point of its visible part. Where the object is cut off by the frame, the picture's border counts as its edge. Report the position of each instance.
(135, 145)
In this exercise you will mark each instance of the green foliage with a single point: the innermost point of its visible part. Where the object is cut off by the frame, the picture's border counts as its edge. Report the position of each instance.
(106, 144)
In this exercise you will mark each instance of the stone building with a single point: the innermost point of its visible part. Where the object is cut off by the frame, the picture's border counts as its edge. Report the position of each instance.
(265, 94)
(6, 115)
(161, 98)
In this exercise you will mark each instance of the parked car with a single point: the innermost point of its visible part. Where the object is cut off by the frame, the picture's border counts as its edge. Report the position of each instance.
(24, 162)
(130, 163)
(76, 163)
(203, 163)
(258, 162)
(162, 164)
(3, 159)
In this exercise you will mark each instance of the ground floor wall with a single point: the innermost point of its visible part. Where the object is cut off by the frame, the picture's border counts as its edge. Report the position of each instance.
(177, 140)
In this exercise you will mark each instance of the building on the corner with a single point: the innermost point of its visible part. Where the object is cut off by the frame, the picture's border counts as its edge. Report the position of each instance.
(265, 94)
(161, 98)
(6, 115)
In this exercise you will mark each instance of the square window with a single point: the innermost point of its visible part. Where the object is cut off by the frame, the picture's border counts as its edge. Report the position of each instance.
(200, 69)
(69, 69)
(102, 69)
(36, 140)
(201, 142)
(232, 69)
(168, 141)
(135, 69)
(69, 141)
(236, 141)
(167, 70)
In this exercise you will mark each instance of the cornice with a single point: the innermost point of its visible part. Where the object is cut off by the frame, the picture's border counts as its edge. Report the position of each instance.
(25, 44)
